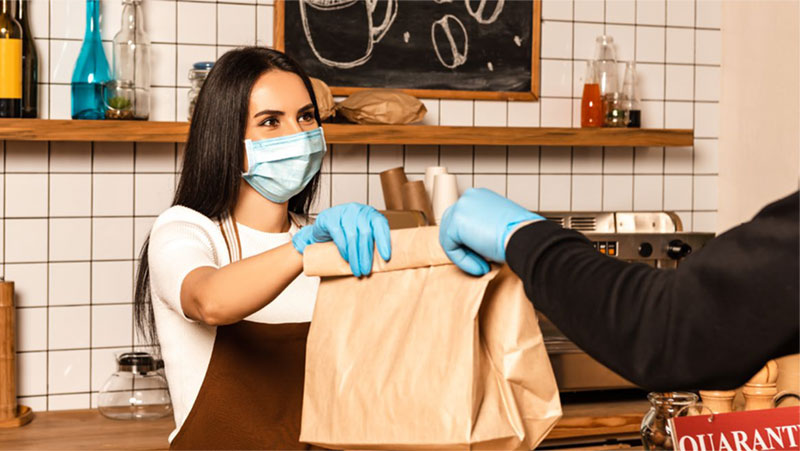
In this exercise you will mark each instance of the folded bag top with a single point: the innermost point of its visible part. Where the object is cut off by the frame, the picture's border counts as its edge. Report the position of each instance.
(416, 247)
(420, 355)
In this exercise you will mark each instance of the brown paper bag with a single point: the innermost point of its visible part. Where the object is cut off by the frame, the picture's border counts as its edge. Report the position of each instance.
(421, 355)
(382, 106)
(325, 103)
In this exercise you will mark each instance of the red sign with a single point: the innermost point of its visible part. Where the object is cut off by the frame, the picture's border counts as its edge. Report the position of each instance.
(754, 430)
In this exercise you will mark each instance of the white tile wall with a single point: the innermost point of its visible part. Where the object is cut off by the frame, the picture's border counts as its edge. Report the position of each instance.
(68, 223)
(75, 214)
(621, 11)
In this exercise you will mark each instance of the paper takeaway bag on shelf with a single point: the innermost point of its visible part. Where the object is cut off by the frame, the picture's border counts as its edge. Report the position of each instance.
(421, 355)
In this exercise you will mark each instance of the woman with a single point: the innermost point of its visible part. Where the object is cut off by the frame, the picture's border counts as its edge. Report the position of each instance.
(220, 283)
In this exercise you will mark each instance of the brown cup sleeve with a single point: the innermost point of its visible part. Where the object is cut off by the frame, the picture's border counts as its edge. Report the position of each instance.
(392, 182)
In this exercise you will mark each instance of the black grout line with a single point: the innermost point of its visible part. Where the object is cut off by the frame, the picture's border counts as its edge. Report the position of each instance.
(47, 280)
(86, 304)
(590, 22)
(664, 115)
(5, 153)
(694, 105)
(91, 265)
(572, 109)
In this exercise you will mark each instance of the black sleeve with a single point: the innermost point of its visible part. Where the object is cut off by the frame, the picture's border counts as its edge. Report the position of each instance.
(711, 323)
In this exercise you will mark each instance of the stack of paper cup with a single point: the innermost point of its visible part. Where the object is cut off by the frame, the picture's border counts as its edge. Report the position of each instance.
(445, 194)
(430, 173)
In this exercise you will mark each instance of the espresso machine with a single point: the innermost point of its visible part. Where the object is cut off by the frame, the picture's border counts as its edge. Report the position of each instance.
(653, 238)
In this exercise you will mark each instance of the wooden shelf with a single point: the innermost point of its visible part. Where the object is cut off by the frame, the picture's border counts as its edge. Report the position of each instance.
(146, 131)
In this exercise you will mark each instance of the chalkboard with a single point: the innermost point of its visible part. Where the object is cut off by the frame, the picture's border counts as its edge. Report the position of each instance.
(466, 49)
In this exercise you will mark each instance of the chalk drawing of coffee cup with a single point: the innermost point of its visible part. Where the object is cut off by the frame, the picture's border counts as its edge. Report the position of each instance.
(449, 33)
(322, 18)
(480, 14)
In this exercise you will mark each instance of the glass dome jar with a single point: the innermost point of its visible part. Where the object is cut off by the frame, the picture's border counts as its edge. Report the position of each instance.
(197, 76)
(655, 429)
(136, 391)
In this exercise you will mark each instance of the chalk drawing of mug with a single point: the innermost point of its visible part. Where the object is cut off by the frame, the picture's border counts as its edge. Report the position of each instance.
(327, 48)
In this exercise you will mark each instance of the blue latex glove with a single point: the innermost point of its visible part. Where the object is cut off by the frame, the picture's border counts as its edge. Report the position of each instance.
(475, 229)
(355, 229)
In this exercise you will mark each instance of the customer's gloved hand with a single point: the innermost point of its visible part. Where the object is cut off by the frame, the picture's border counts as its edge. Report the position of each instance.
(355, 229)
(475, 228)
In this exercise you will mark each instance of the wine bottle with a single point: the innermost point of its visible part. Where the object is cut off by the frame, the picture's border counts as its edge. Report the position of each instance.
(91, 70)
(10, 63)
(30, 63)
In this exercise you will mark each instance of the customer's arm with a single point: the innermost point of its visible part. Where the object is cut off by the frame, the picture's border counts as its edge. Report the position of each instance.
(712, 323)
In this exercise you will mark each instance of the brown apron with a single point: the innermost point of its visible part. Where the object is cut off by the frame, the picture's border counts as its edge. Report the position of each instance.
(252, 394)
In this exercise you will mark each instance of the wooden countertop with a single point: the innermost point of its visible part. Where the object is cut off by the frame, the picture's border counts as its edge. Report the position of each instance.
(87, 429)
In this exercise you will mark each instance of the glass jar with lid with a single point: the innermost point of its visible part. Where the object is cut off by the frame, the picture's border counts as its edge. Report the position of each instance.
(136, 391)
(197, 76)
(655, 429)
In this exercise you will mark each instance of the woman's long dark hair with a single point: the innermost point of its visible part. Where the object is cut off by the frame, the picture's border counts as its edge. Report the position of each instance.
(214, 156)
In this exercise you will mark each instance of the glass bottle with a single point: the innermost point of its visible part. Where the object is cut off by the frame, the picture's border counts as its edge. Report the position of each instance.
(591, 102)
(197, 76)
(606, 65)
(131, 65)
(30, 63)
(655, 429)
(136, 391)
(10, 63)
(630, 96)
(91, 69)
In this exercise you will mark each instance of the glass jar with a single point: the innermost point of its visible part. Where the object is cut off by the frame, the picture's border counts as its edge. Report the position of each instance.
(119, 98)
(614, 110)
(131, 61)
(197, 76)
(136, 391)
(656, 431)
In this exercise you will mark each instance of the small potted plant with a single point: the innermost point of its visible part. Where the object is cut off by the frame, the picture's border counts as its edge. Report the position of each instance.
(118, 98)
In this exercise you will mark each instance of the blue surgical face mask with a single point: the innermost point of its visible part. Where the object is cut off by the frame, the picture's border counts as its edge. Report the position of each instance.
(281, 167)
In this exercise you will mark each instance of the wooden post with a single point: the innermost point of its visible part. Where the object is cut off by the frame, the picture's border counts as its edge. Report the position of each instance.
(8, 353)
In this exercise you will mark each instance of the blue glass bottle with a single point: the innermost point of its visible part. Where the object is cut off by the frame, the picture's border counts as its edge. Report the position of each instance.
(91, 69)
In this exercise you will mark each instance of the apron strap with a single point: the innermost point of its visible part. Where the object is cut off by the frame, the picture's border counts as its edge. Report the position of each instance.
(230, 232)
